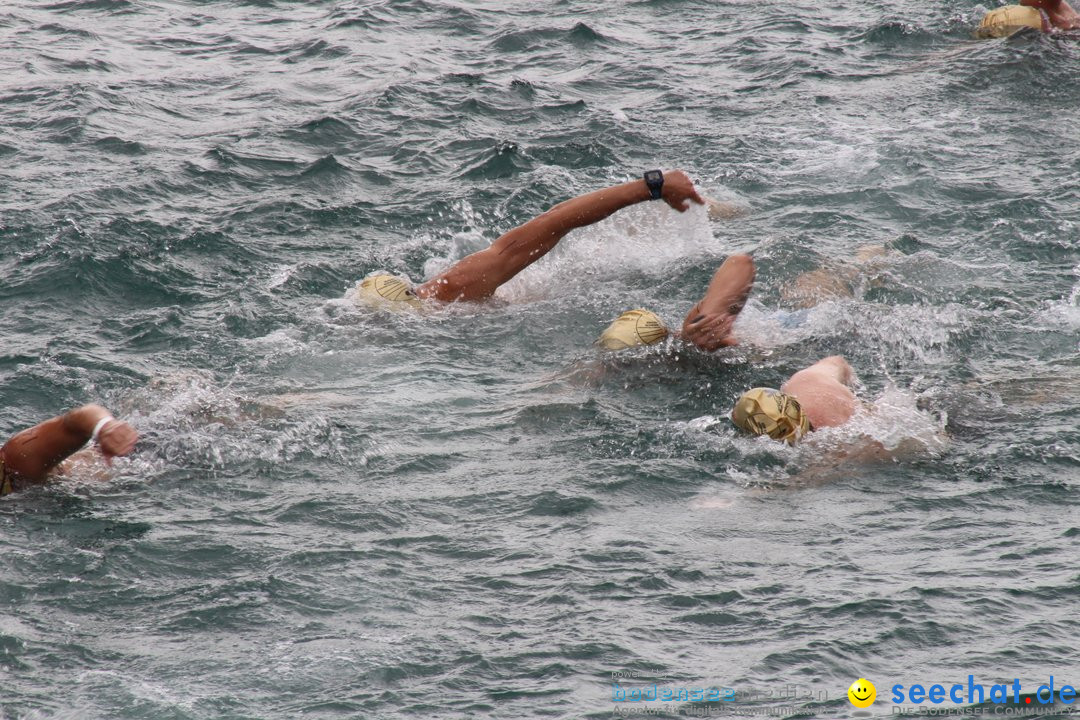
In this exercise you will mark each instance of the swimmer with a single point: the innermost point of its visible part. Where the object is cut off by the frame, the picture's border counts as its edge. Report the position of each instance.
(815, 397)
(477, 276)
(1043, 15)
(719, 210)
(32, 455)
(709, 323)
(820, 396)
(836, 283)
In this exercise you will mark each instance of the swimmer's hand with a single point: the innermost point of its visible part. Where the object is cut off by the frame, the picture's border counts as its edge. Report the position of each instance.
(678, 189)
(710, 332)
(722, 210)
(117, 439)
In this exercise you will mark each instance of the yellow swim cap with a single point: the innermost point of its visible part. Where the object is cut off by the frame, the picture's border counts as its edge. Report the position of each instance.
(764, 411)
(631, 329)
(387, 290)
(1004, 21)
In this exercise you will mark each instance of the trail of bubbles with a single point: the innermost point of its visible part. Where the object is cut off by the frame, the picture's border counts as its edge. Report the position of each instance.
(190, 421)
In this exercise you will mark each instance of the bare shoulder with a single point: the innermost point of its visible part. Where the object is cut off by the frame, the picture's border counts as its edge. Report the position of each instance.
(822, 390)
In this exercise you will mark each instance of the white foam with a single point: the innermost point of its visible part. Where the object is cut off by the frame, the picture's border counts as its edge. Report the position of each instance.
(703, 423)
(766, 327)
(645, 238)
(199, 422)
(895, 422)
(280, 276)
(472, 239)
(1066, 312)
(854, 152)
(923, 331)
(709, 502)
(285, 338)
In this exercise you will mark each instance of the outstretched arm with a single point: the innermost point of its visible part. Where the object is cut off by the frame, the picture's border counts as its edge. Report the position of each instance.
(708, 324)
(478, 276)
(32, 453)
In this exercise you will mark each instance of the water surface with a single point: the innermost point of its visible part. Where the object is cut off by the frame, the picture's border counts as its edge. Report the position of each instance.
(338, 513)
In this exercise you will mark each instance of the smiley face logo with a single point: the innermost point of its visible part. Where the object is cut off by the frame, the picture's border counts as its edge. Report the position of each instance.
(862, 693)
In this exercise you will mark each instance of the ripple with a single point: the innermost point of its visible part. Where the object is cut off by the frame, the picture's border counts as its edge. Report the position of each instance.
(580, 35)
(120, 146)
(73, 5)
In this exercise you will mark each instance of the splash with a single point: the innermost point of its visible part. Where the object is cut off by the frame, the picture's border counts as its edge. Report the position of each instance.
(189, 420)
(895, 423)
(1067, 311)
(890, 429)
(645, 239)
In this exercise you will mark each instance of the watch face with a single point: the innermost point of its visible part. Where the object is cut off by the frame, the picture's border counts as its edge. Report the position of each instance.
(654, 179)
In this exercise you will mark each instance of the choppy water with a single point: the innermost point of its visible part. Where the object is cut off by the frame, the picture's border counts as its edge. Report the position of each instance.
(468, 514)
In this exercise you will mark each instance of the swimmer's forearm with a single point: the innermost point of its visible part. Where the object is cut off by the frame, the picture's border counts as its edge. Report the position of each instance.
(32, 453)
(729, 288)
(593, 207)
(538, 236)
(677, 191)
(478, 275)
(80, 422)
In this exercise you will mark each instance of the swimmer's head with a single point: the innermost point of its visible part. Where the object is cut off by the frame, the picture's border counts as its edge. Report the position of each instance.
(387, 291)
(632, 329)
(1004, 21)
(764, 411)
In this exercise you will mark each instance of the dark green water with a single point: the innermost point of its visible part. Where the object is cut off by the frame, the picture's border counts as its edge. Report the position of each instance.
(335, 513)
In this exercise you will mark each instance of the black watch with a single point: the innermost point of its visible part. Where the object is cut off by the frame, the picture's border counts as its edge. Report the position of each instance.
(655, 180)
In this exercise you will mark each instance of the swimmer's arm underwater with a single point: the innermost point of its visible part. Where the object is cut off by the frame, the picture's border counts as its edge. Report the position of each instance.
(477, 276)
(723, 210)
(33, 453)
(708, 324)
